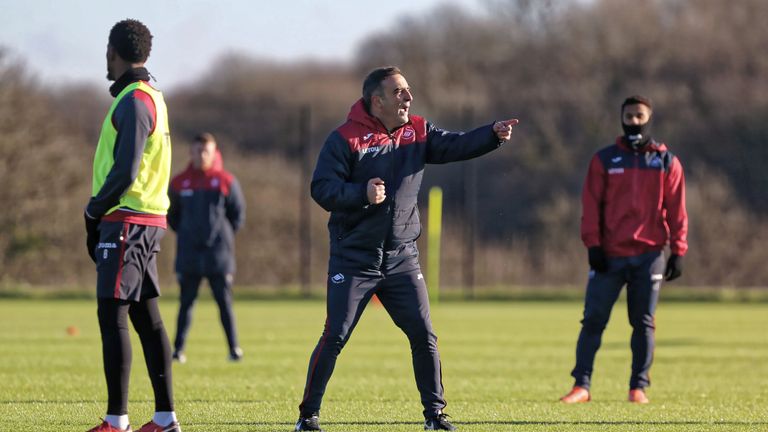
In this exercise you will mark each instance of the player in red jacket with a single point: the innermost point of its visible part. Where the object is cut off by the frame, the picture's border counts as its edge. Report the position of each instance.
(633, 207)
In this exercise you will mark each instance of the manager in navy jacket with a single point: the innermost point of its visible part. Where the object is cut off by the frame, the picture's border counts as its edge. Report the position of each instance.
(207, 207)
(368, 176)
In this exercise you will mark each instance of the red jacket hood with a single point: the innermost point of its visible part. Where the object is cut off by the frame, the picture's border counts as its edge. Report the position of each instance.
(192, 176)
(358, 114)
(218, 165)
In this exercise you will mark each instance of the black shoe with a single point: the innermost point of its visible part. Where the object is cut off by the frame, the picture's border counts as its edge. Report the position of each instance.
(439, 422)
(309, 423)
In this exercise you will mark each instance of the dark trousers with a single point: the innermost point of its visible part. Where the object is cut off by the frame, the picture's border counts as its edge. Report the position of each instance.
(643, 275)
(404, 296)
(116, 349)
(221, 285)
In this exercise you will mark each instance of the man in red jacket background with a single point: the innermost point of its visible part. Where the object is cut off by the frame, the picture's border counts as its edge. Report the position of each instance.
(207, 208)
(633, 206)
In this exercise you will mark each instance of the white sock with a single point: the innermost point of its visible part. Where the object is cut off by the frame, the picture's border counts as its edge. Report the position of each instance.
(164, 418)
(118, 421)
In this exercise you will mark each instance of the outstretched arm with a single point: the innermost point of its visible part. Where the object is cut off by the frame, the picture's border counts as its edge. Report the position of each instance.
(444, 146)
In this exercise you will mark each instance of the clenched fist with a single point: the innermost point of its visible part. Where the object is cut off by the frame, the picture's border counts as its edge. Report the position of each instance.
(376, 192)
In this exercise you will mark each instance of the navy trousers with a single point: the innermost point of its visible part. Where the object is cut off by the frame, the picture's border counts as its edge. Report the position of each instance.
(642, 275)
(404, 296)
(221, 286)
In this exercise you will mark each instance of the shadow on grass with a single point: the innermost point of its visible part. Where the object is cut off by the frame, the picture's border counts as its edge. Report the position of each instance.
(290, 424)
(495, 422)
(612, 422)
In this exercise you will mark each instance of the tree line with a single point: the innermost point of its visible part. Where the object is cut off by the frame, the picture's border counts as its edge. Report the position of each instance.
(561, 67)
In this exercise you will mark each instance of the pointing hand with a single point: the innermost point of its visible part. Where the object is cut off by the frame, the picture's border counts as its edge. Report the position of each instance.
(503, 129)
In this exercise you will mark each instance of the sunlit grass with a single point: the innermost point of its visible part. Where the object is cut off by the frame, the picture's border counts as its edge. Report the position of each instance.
(504, 366)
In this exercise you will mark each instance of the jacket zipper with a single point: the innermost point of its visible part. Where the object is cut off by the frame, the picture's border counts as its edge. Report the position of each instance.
(392, 159)
(635, 198)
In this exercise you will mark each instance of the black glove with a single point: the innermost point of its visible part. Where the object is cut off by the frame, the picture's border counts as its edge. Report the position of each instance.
(92, 235)
(597, 259)
(674, 267)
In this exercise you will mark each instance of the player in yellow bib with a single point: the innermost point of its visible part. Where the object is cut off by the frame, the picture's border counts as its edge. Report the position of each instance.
(125, 220)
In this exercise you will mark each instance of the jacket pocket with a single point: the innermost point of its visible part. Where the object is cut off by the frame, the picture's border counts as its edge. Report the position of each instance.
(406, 225)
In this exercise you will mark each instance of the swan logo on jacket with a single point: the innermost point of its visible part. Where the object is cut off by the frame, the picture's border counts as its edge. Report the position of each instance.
(408, 134)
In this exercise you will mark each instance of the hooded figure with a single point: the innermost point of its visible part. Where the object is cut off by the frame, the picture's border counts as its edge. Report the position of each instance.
(207, 208)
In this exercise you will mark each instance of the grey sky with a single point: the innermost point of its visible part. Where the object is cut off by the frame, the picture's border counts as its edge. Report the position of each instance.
(65, 40)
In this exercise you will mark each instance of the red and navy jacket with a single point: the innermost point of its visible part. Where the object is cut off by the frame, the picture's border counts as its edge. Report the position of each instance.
(634, 201)
(207, 207)
(370, 239)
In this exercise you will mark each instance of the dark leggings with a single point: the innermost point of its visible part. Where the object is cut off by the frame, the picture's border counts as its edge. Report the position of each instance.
(221, 286)
(116, 345)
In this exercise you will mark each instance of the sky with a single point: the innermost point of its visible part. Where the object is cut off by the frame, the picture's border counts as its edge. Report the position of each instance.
(64, 41)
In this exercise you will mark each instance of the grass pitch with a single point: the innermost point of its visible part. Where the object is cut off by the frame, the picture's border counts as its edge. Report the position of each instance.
(504, 365)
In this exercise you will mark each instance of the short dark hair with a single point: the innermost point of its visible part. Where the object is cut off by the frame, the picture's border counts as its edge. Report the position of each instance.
(372, 82)
(205, 138)
(132, 40)
(635, 100)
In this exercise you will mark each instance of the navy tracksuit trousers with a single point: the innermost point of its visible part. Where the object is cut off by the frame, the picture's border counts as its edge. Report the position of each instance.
(404, 296)
(643, 275)
(221, 286)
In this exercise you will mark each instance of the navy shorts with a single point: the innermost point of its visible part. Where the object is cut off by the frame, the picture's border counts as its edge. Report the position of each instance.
(126, 261)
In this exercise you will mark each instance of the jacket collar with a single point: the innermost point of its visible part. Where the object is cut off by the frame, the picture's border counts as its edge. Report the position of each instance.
(359, 114)
(218, 166)
(652, 146)
(130, 76)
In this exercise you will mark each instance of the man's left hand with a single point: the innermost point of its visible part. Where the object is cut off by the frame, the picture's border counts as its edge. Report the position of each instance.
(92, 235)
(674, 267)
(503, 129)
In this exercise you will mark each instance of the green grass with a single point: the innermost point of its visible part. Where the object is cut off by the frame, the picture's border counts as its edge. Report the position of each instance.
(504, 365)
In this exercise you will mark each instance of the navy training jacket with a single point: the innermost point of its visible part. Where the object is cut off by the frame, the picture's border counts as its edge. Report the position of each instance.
(368, 239)
(207, 207)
